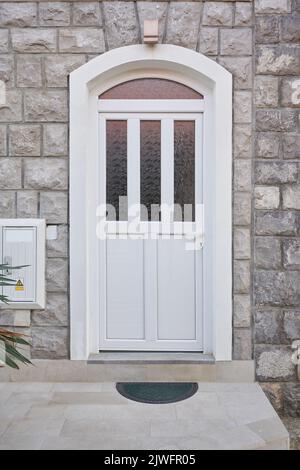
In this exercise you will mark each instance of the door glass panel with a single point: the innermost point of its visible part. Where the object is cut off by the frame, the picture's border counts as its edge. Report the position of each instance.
(150, 169)
(184, 170)
(150, 89)
(116, 169)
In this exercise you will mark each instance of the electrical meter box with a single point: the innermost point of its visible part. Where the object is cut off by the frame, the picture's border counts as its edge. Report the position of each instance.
(22, 247)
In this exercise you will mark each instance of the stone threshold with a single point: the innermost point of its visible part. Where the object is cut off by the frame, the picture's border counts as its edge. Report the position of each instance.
(127, 357)
(64, 370)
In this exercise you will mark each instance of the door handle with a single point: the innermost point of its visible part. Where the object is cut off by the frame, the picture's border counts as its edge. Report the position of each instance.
(8, 260)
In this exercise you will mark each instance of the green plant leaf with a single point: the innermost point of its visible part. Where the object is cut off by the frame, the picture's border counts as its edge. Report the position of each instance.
(13, 352)
(11, 363)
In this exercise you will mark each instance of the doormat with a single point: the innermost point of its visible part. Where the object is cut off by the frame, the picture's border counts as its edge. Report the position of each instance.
(157, 392)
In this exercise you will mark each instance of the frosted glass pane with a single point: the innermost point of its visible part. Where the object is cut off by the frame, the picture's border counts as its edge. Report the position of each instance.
(150, 168)
(116, 166)
(184, 169)
(150, 89)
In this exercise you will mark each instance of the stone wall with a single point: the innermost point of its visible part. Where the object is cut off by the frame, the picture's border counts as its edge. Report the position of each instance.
(41, 43)
(277, 197)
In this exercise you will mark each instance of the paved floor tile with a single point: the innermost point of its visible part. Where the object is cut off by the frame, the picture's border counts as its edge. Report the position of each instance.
(94, 416)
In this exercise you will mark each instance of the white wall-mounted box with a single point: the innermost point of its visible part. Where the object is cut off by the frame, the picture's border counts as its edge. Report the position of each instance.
(22, 242)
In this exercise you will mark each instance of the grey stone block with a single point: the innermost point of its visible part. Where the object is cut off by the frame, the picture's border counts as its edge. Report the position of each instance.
(291, 197)
(54, 207)
(3, 40)
(18, 14)
(267, 197)
(12, 110)
(290, 28)
(120, 24)
(242, 208)
(242, 243)
(290, 92)
(291, 145)
(209, 41)
(46, 173)
(267, 145)
(267, 253)
(58, 67)
(274, 363)
(19, 318)
(242, 344)
(237, 42)
(7, 204)
(266, 91)
(277, 288)
(183, 24)
(55, 139)
(217, 14)
(275, 172)
(279, 120)
(291, 399)
(33, 40)
(25, 140)
(272, 6)
(153, 11)
(241, 68)
(46, 105)
(291, 324)
(276, 223)
(242, 141)
(273, 392)
(267, 29)
(268, 324)
(291, 254)
(56, 275)
(7, 70)
(87, 14)
(242, 310)
(54, 13)
(242, 107)
(49, 342)
(243, 14)
(59, 248)
(278, 60)
(242, 278)
(29, 71)
(81, 40)
(242, 175)
(10, 173)
(27, 204)
(3, 145)
(56, 312)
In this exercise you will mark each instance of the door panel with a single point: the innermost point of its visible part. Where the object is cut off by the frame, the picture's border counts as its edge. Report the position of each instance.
(125, 289)
(176, 291)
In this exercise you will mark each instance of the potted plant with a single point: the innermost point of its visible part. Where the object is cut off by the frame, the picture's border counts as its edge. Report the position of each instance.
(10, 341)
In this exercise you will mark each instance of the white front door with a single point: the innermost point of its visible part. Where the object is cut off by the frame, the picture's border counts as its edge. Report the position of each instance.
(151, 288)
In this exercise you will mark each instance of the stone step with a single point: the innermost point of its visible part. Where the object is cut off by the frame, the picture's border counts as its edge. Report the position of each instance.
(82, 371)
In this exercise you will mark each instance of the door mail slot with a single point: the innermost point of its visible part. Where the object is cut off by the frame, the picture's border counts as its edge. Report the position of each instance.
(23, 248)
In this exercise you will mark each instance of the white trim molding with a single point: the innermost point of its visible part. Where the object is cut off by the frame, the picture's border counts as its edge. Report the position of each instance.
(215, 84)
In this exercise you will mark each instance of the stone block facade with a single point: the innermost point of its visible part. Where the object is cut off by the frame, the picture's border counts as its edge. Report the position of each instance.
(258, 42)
(276, 288)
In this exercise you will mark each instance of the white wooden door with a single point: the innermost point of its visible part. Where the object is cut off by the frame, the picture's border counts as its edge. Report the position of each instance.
(151, 292)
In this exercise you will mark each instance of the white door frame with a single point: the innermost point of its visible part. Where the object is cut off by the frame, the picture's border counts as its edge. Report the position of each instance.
(215, 83)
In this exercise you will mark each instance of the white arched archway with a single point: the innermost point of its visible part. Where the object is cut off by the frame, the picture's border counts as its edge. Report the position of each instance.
(215, 83)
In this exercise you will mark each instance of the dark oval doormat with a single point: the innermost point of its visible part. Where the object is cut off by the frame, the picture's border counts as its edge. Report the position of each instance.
(157, 392)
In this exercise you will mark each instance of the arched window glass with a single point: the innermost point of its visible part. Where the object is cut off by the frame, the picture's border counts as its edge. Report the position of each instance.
(150, 89)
